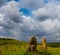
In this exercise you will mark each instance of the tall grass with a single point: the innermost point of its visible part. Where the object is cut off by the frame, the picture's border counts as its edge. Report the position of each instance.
(17, 48)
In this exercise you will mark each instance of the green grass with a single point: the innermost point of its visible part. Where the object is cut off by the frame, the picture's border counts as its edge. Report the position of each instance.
(14, 47)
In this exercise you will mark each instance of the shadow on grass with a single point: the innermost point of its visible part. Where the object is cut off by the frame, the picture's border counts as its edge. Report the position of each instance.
(43, 52)
(38, 52)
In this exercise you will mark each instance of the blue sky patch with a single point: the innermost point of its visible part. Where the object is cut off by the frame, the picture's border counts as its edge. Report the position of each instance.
(26, 11)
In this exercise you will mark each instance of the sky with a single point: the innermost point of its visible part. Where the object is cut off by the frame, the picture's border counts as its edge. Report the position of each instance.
(22, 19)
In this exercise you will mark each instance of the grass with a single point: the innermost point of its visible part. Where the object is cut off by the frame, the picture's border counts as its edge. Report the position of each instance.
(20, 48)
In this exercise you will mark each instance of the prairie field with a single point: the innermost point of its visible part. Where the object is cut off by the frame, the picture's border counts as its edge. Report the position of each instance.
(14, 47)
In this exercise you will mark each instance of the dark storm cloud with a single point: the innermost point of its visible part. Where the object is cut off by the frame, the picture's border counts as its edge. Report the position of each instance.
(42, 18)
(16, 19)
(7, 24)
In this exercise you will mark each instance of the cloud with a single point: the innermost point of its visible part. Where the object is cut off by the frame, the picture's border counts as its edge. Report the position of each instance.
(10, 17)
(54, 1)
(30, 28)
(2, 2)
(11, 14)
(50, 11)
(44, 22)
(1, 17)
(49, 17)
(31, 4)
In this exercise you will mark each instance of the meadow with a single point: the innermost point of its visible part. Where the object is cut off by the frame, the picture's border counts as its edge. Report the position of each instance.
(15, 47)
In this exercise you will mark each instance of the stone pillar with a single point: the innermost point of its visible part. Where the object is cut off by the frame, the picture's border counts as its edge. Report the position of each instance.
(44, 44)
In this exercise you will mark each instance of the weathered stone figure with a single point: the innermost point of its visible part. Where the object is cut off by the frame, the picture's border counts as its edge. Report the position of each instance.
(44, 44)
(32, 45)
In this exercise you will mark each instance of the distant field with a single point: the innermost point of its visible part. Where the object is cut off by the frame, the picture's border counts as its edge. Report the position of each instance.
(14, 47)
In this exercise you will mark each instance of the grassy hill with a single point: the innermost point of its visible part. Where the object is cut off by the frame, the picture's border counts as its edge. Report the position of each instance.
(14, 47)
(4, 41)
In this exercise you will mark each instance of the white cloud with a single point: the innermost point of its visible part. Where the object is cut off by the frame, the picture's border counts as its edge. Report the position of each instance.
(51, 24)
(11, 14)
(50, 11)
